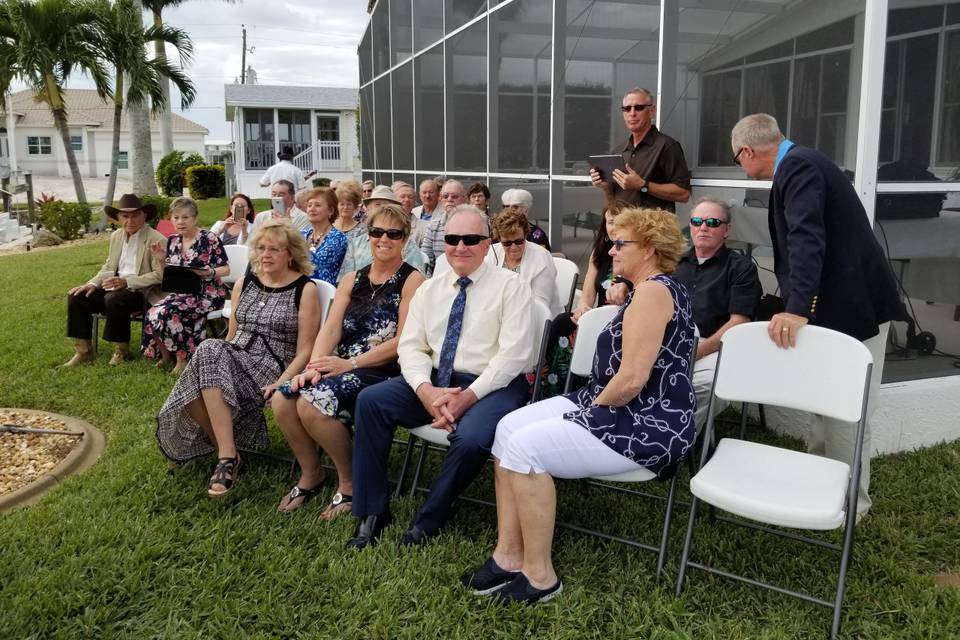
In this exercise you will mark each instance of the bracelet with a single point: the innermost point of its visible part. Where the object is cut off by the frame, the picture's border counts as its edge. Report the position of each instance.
(353, 363)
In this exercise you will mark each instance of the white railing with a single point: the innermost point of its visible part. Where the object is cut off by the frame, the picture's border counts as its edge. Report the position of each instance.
(323, 156)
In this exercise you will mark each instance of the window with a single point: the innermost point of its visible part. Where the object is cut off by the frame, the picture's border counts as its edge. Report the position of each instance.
(293, 130)
(76, 142)
(949, 151)
(258, 138)
(38, 145)
(123, 160)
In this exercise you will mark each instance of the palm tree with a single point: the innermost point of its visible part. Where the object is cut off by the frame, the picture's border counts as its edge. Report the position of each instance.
(41, 44)
(139, 78)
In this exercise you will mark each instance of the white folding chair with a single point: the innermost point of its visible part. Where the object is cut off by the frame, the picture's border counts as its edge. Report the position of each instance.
(581, 362)
(567, 274)
(541, 327)
(238, 257)
(827, 373)
(327, 291)
(441, 266)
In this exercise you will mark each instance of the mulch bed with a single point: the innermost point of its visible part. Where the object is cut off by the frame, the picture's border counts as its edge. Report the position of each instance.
(24, 457)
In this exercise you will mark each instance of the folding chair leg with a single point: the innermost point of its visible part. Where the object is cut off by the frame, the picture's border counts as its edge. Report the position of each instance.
(849, 526)
(743, 419)
(665, 536)
(403, 468)
(687, 542)
(96, 332)
(763, 416)
(416, 473)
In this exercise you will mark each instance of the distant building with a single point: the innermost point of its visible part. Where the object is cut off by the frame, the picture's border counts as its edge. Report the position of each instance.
(30, 142)
(318, 123)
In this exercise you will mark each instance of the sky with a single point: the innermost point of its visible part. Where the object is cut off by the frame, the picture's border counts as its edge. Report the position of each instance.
(293, 42)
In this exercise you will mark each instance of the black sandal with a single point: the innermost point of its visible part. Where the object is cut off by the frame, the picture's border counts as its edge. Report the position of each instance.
(225, 474)
(338, 500)
(300, 492)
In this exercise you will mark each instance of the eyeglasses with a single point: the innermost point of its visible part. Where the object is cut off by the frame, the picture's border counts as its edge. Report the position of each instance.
(512, 243)
(713, 223)
(627, 108)
(448, 196)
(377, 232)
(270, 250)
(618, 244)
(736, 158)
(470, 239)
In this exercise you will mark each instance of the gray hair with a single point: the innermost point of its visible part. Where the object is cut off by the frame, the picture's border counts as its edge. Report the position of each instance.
(286, 184)
(183, 202)
(466, 209)
(456, 182)
(727, 209)
(518, 197)
(758, 130)
(645, 92)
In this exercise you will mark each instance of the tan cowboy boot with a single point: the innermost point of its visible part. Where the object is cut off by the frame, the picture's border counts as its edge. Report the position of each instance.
(83, 352)
(121, 352)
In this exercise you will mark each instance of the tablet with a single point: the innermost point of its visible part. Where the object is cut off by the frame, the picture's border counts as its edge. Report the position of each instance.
(181, 280)
(606, 164)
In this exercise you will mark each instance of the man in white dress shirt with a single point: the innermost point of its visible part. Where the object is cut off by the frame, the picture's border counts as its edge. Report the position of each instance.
(283, 189)
(284, 169)
(465, 345)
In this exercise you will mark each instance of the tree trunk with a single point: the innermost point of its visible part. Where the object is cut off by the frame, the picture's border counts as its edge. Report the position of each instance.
(166, 116)
(141, 145)
(114, 150)
(60, 122)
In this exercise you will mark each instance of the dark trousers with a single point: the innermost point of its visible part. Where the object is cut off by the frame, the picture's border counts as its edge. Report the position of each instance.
(116, 306)
(383, 406)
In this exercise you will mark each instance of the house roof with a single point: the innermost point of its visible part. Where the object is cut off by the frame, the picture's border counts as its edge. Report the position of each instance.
(84, 108)
(288, 97)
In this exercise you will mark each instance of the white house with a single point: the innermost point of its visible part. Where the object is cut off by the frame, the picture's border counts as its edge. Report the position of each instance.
(318, 123)
(30, 141)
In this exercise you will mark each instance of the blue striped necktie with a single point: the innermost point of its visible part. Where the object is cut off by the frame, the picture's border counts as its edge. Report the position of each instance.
(454, 324)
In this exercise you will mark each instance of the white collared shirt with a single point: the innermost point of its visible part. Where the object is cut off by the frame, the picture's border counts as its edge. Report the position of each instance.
(297, 218)
(283, 170)
(128, 255)
(496, 342)
(536, 269)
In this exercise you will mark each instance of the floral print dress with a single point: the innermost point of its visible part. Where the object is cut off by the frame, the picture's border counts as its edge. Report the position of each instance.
(327, 257)
(179, 320)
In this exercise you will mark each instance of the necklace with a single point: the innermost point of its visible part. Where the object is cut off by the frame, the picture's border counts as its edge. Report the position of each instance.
(316, 240)
(376, 289)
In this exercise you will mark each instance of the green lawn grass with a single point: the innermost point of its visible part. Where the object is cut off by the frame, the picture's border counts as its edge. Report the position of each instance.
(130, 550)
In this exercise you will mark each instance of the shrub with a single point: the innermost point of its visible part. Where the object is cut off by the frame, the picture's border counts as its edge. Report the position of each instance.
(162, 203)
(170, 171)
(66, 219)
(321, 182)
(206, 181)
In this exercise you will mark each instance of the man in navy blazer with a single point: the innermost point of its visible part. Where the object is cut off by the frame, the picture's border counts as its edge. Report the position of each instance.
(831, 270)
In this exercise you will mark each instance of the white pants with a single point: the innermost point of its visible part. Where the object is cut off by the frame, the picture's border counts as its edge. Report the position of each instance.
(702, 384)
(536, 438)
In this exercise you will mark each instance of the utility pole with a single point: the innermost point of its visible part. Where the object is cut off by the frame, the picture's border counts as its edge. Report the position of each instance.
(243, 57)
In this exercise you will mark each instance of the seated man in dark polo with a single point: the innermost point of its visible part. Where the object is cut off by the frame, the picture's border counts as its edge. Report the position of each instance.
(130, 276)
(465, 345)
(724, 290)
(657, 175)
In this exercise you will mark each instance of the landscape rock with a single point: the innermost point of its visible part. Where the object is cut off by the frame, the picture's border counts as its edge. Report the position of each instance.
(44, 238)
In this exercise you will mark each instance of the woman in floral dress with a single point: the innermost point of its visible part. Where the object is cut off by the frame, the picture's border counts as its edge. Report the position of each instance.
(356, 347)
(327, 244)
(177, 323)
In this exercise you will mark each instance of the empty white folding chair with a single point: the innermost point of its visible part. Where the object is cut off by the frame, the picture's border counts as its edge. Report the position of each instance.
(327, 291)
(238, 257)
(567, 274)
(827, 373)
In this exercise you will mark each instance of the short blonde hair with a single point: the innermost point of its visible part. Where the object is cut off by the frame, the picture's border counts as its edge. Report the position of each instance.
(393, 212)
(296, 245)
(350, 191)
(656, 228)
(511, 219)
(185, 203)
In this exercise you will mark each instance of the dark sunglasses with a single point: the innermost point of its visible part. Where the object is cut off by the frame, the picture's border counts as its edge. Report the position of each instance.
(511, 243)
(619, 244)
(713, 223)
(634, 107)
(736, 158)
(377, 232)
(470, 239)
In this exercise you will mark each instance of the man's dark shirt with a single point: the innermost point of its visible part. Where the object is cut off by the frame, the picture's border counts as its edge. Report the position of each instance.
(658, 158)
(725, 284)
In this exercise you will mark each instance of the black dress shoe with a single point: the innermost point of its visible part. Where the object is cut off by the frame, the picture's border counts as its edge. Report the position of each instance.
(416, 537)
(368, 531)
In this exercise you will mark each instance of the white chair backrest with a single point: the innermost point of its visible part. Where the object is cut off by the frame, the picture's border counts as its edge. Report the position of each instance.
(441, 266)
(826, 373)
(540, 315)
(238, 255)
(326, 291)
(588, 330)
(567, 274)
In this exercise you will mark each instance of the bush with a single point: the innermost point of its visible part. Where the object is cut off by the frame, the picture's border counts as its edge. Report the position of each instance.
(162, 203)
(66, 219)
(321, 182)
(170, 171)
(206, 181)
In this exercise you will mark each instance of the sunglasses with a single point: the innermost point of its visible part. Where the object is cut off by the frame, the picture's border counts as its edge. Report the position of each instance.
(470, 239)
(512, 243)
(377, 232)
(736, 158)
(619, 244)
(713, 223)
(634, 107)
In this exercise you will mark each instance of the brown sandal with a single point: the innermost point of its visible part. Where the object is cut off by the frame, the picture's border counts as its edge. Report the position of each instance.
(226, 475)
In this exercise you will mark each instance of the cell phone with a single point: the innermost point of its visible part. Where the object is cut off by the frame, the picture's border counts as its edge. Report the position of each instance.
(279, 205)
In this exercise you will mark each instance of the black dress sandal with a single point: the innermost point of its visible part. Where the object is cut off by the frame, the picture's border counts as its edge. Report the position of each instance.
(338, 500)
(300, 492)
(226, 475)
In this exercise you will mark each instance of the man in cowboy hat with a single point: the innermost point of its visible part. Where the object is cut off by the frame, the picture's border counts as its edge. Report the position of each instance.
(284, 169)
(129, 278)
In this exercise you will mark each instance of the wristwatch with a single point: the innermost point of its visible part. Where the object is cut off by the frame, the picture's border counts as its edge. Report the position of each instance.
(645, 188)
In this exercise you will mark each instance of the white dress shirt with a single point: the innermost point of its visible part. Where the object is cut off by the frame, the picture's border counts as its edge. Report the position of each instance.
(537, 270)
(283, 170)
(297, 218)
(128, 255)
(496, 342)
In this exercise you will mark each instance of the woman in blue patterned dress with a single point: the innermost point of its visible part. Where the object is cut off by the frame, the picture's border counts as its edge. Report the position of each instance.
(356, 347)
(636, 411)
(327, 244)
(177, 324)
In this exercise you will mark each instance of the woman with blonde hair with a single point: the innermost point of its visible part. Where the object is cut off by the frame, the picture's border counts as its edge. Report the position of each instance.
(636, 411)
(217, 404)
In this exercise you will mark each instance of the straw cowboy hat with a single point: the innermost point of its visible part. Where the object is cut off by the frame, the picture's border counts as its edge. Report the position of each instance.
(382, 192)
(128, 204)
